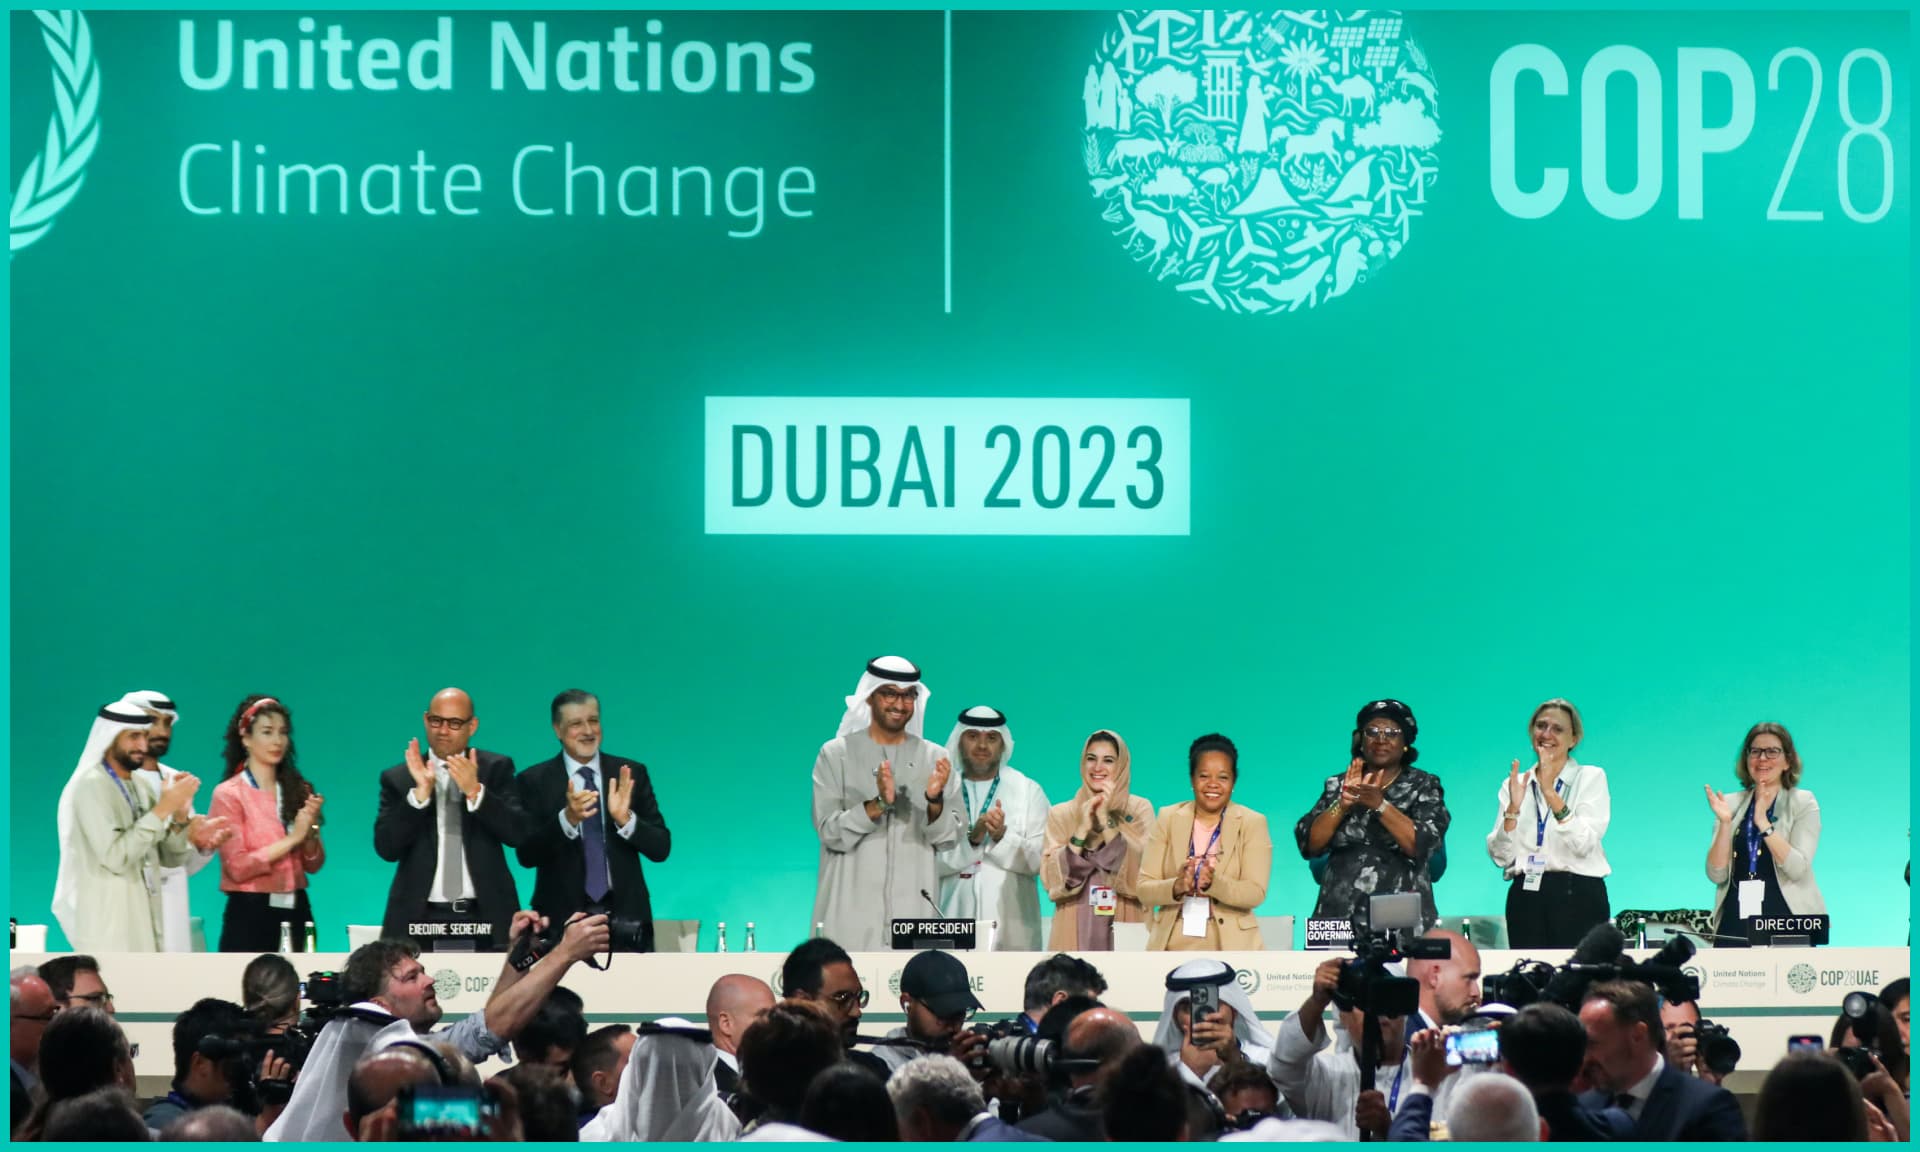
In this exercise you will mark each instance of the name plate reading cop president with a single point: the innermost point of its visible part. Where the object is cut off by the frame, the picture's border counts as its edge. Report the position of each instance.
(915, 935)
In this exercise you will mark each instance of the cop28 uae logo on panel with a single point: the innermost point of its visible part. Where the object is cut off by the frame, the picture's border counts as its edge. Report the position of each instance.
(55, 173)
(1261, 161)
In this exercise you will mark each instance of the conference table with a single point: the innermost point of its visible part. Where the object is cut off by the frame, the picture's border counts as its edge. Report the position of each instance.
(1763, 995)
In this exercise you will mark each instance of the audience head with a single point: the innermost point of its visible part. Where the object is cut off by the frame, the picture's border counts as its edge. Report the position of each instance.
(1058, 977)
(734, 1002)
(934, 1098)
(1243, 1088)
(84, 1049)
(1102, 1034)
(937, 996)
(1897, 998)
(598, 1063)
(106, 1115)
(270, 992)
(374, 1086)
(1543, 1046)
(199, 1077)
(1450, 988)
(389, 973)
(552, 1037)
(216, 1125)
(33, 1010)
(1624, 1034)
(76, 982)
(782, 1052)
(1494, 1107)
(1143, 1097)
(549, 1105)
(1810, 1097)
(848, 1102)
(822, 972)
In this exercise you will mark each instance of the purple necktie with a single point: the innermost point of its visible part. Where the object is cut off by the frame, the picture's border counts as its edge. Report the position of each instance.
(593, 840)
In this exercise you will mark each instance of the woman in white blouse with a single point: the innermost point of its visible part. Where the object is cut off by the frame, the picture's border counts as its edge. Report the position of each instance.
(1546, 836)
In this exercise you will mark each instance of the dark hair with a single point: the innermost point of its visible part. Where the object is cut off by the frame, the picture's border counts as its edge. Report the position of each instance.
(1061, 973)
(1143, 1098)
(1895, 992)
(849, 1102)
(781, 1053)
(570, 696)
(1053, 1025)
(294, 788)
(802, 973)
(1212, 742)
(1883, 1038)
(371, 965)
(60, 971)
(1103, 736)
(598, 1052)
(107, 1115)
(1632, 1003)
(209, 1017)
(1544, 1045)
(1400, 714)
(1810, 1097)
(554, 1025)
(80, 1051)
(270, 988)
(1243, 1077)
(1790, 759)
(549, 1103)
(217, 1123)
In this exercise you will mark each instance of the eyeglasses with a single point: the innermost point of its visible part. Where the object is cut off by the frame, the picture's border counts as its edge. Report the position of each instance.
(96, 999)
(1765, 753)
(898, 696)
(1381, 733)
(450, 723)
(849, 998)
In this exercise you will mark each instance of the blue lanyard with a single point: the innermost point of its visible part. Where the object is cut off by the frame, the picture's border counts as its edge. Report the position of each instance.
(984, 804)
(1399, 1078)
(1753, 838)
(1540, 805)
(122, 785)
(1215, 839)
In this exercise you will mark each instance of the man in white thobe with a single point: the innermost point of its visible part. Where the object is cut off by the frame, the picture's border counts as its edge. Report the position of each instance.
(989, 875)
(176, 911)
(883, 806)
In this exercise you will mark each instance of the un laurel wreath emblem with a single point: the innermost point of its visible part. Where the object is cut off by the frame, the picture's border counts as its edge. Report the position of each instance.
(56, 173)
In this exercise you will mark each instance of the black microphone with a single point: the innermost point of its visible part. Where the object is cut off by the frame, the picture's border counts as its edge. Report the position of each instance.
(1602, 946)
(932, 903)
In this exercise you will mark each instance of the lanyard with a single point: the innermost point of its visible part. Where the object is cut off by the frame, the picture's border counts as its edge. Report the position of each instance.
(1540, 812)
(255, 784)
(1753, 838)
(985, 805)
(1214, 839)
(1399, 1078)
(122, 785)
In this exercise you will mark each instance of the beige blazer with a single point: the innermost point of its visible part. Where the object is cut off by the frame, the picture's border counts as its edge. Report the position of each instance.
(1799, 822)
(1239, 879)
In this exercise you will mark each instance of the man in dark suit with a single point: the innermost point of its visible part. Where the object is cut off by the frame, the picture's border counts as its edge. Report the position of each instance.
(1627, 1065)
(447, 819)
(1543, 1046)
(587, 853)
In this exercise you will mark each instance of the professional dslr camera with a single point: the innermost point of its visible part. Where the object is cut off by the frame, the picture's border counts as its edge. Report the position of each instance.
(625, 935)
(1365, 982)
(1865, 1018)
(1717, 1050)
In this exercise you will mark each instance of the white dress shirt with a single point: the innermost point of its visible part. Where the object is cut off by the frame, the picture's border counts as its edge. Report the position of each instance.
(568, 827)
(1321, 1080)
(1570, 845)
(446, 889)
(1644, 1088)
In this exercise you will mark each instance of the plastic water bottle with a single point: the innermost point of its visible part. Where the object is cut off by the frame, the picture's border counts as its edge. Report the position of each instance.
(313, 942)
(286, 937)
(721, 939)
(749, 935)
(819, 928)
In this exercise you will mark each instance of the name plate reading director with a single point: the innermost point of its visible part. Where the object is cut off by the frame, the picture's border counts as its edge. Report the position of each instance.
(916, 935)
(943, 466)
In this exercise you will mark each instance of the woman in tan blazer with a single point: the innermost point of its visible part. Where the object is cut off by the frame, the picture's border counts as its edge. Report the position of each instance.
(1207, 861)
(1091, 863)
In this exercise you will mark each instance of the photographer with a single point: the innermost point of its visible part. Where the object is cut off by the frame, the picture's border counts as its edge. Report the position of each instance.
(1627, 1068)
(210, 1063)
(1708, 1053)
(1100, 1037)
(391, 995)
(938, 999)
(1320, 1079)
(1053, 980)
(1223, 1037)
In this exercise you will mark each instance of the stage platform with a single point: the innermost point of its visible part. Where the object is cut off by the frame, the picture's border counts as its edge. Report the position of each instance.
(1764, 995)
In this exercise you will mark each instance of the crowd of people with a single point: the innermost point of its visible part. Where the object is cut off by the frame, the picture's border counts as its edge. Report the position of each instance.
(369, 1060)
(901, 821)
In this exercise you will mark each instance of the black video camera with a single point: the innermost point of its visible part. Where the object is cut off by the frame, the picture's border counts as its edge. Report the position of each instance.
(1523, 984)
(1601, 956)
(625, 934)
(1365, 982)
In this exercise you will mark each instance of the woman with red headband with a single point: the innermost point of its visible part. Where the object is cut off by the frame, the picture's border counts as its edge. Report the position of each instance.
(275, 815)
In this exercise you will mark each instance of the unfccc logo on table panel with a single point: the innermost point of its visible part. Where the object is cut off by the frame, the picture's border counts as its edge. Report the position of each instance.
(1801, 978)
(1261, 162)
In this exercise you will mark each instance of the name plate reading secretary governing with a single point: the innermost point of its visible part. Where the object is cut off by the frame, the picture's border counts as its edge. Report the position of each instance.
(913, 935)
(1329, 934)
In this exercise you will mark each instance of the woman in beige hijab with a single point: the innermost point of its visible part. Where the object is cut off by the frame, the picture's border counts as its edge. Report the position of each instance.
(1091, 864)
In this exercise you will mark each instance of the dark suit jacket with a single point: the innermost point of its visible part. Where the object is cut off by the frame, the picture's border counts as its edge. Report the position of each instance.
(1683, 1108)
(560, 885)
(1414, 1122)
(1568, 1120)
(1072, 1119)
(410, 837)
(993, 1130)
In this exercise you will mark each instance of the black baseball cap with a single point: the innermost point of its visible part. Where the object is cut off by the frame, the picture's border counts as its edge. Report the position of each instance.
(938, 980)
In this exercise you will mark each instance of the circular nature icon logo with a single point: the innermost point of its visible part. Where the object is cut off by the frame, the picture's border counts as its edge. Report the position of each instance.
(446, 984)
(1800, 978)
(1263, 161)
